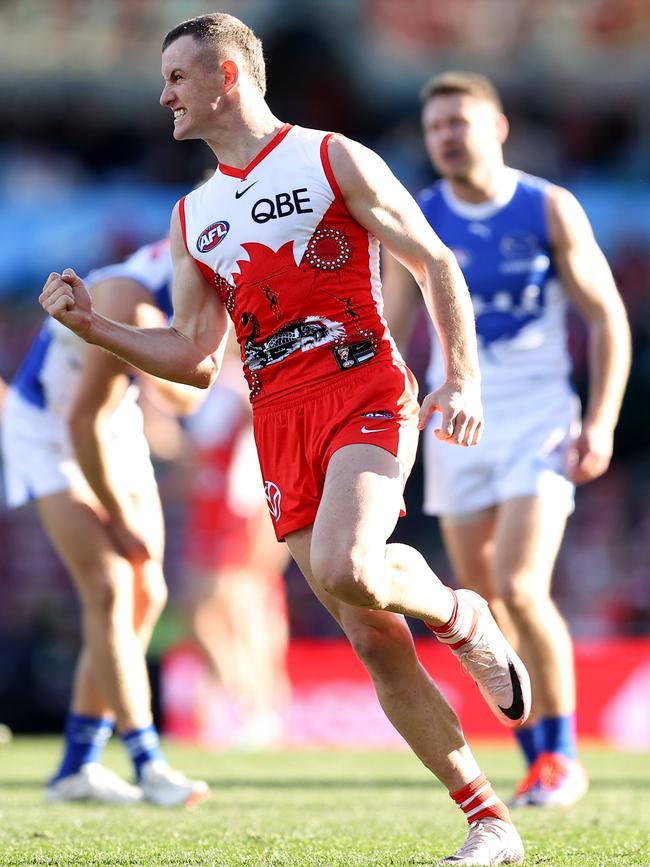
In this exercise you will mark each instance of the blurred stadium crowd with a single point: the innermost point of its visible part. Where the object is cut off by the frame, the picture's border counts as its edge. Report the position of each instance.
(89, 171)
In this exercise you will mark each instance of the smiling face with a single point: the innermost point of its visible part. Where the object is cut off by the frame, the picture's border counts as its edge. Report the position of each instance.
(462, 134)
(194, 87)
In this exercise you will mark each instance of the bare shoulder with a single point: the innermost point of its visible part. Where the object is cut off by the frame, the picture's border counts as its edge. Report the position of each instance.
(187, 274)
(341, 146)
(560, 199)
(380, 203)
(177, 244)
(352, 161)
(566, 216)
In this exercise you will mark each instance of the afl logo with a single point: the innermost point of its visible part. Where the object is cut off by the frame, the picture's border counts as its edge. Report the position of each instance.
(212, 236)
(273, 498)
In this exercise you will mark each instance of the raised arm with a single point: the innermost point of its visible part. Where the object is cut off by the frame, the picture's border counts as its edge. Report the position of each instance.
(378, 201)
(589, 283)
(188, 351)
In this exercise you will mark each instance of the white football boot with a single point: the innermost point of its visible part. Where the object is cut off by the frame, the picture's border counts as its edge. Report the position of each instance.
(560, 782)
(497, 670)
(93, 782)
(166, 787)
(489, 841)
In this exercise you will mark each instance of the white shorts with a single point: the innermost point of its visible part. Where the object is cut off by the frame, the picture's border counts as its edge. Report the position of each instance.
(39, 458)
(523, 452)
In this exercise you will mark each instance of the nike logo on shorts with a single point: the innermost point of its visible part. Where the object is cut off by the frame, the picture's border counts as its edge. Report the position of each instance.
(365, 429)
(240, 193)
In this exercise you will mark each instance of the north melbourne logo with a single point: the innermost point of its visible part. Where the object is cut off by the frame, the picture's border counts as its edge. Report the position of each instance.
(274, 499)
(212, 236)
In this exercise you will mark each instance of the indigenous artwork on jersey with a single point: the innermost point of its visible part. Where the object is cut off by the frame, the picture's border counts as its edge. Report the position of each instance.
(300, 336)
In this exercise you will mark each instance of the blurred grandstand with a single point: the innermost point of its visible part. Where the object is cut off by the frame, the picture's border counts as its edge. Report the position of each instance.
(89, 170)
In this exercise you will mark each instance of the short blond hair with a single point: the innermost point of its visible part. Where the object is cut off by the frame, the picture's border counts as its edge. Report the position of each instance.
(467, 83)
(219, 31)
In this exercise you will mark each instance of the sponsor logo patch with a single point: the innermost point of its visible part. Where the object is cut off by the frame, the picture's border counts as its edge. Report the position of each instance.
(212, 236)
(354, 353)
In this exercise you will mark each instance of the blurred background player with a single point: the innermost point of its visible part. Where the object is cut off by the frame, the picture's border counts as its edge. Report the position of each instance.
(73, 445)
(234, 590)
(526, 248)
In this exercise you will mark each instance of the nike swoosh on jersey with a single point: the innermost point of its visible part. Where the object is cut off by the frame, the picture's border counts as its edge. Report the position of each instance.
(365, 429)
(516, 709)
(240, 193)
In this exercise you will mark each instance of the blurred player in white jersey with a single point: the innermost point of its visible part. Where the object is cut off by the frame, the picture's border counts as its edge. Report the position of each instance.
(74, 446)
(234, 589)
(527, 250)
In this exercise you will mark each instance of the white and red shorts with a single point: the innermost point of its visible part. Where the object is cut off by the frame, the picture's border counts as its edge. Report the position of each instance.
(374, 405)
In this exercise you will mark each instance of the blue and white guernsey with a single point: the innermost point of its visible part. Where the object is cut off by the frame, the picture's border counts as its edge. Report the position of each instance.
(503, 249)
(50, 371)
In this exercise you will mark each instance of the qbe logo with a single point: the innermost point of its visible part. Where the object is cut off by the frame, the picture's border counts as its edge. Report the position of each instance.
(212, 236)
(282, 205)
(274, 499)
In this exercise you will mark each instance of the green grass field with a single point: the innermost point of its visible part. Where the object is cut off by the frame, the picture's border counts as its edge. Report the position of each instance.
(312, 808)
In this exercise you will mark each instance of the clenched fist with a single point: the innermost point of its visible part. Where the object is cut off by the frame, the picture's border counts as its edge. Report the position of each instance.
(66, 299)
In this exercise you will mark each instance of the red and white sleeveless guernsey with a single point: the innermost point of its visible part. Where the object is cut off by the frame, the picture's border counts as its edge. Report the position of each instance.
(298, 275)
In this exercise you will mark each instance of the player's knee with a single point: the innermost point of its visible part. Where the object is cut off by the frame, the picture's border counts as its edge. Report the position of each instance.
(382, 647)
(405, 558)
(151, 596)
(107, 588)
(521, 597)
(350, 575)
(152, 602)
(106, 600)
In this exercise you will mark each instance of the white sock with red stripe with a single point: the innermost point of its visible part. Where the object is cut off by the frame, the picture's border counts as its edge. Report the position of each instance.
(461, 626)
(478, 801)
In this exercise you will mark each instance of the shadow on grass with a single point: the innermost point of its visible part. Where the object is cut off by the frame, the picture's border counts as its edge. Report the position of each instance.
(608, 784)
